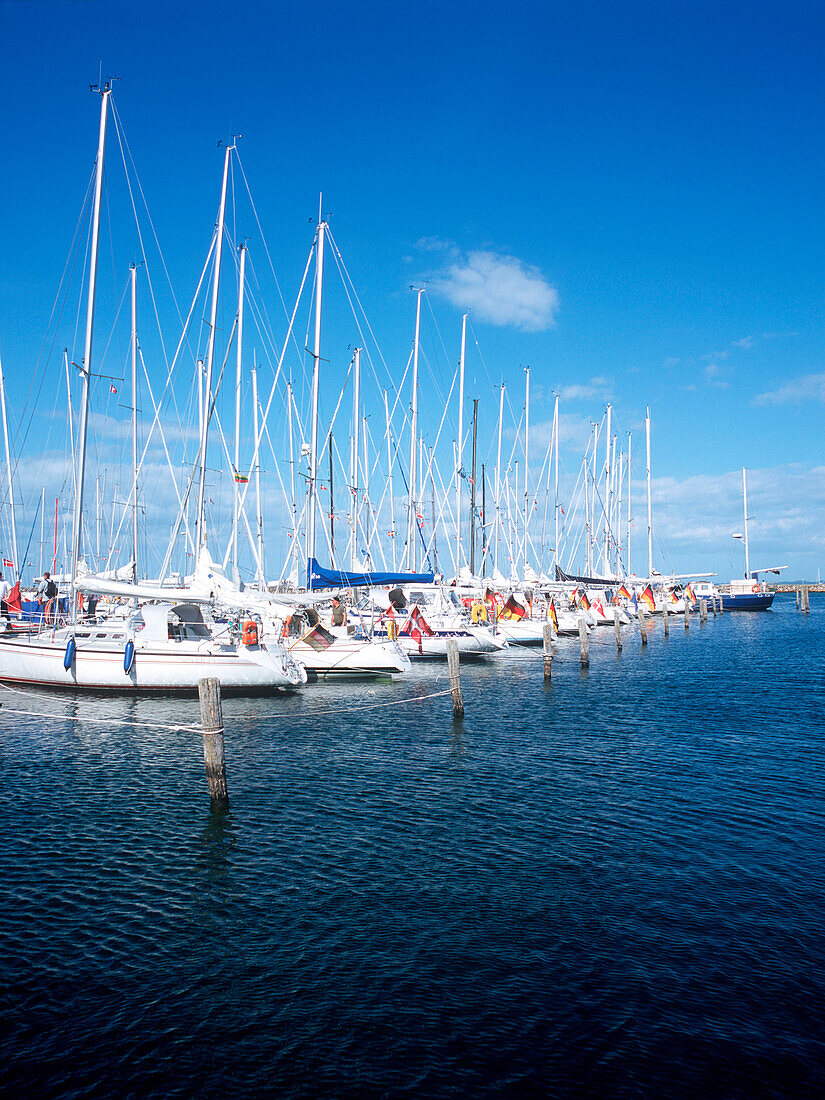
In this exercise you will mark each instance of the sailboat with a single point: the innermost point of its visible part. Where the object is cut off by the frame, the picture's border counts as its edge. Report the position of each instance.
(748, 594)
(167, 645)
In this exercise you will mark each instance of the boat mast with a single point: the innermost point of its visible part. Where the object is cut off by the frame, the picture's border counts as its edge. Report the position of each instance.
(473, 493)
(86, 368)
(649, 500)
(258, 513)
(745, 504)
(17, 564)
(356, 424)
(526, 464)
(629, 487)
(238, 370)
(316, 362)
(606, 504)
(412, 556)
(200, 534)
(556, 476)
(389, 468)
(460, 448)
(498, 470)
(134, 428)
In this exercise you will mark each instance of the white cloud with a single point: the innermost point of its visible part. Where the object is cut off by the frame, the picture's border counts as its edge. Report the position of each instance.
(498, 288)
(809, 387)
(714, 375)
(745, 342)
(596, 389)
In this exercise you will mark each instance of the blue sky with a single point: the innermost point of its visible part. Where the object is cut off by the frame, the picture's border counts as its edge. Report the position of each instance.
(629, 197)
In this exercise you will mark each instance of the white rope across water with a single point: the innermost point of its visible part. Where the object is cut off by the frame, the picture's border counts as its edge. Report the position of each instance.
(92, 721)
(310, 713)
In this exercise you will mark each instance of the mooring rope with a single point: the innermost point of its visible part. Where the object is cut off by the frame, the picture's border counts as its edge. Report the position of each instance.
(311, 713)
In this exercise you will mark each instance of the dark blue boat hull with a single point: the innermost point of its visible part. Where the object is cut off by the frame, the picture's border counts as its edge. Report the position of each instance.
(747, 601)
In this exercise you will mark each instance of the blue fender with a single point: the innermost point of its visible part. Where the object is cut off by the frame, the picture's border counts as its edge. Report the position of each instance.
(128, 656)
(68, 656)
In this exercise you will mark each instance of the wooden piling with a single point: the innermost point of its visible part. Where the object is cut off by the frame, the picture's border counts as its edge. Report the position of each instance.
(642, 625)
(797, 597)
(617, 624)
(209, 691)
(548, 651)
(806, 595)
(703, 611)
(584, 643)
(455, 678)
(713, 604)
(687, 613)
(665, 617)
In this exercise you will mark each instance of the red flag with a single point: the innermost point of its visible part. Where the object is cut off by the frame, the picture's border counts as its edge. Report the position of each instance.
(112, 388)
(415, 626)
(13, 600)
(8, 564)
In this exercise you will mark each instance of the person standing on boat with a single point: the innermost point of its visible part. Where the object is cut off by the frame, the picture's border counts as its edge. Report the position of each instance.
(46, 594)
(5, 588)
(339, 612)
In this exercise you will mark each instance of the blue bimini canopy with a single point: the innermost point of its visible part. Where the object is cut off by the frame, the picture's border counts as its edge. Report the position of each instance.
(318, 577)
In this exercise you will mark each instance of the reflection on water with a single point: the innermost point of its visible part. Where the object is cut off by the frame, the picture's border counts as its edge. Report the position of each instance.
(217, 839)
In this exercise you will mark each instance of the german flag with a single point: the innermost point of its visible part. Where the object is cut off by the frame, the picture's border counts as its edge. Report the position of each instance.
(624, 592)
(512, 609)
(583, 601)
(552, 616)
(690, 594)
(318, 638)
(648, 599)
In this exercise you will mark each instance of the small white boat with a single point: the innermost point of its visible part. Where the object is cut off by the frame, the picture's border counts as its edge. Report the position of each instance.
(159, 647)
(330, 651)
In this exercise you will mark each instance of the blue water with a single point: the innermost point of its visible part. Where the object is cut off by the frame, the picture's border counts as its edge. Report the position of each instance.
(611, 886)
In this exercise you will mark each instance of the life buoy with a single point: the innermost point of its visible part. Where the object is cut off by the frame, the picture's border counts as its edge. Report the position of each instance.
(68, 656)
(478, 612)
(128, 656)
(754, 588)
(249, 635)
(392, 630)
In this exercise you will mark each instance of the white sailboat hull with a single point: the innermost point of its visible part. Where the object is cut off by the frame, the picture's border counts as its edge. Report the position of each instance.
(156, 667)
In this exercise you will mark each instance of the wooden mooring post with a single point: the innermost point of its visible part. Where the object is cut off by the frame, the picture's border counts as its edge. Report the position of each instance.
(455, 678)
(806, 596)
(703, 611)
(617, 625)
(209, 691)
(713, 604)
(665, 617)
(797, 597)
(548, 651)
(642, 625)
(584, 643)
(687, 614)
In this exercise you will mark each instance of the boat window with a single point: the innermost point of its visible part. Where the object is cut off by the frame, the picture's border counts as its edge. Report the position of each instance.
(100, 635)
(117, 636)
(82, 634)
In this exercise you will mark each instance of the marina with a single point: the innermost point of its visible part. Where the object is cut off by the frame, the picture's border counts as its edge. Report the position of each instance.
(412, 632)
